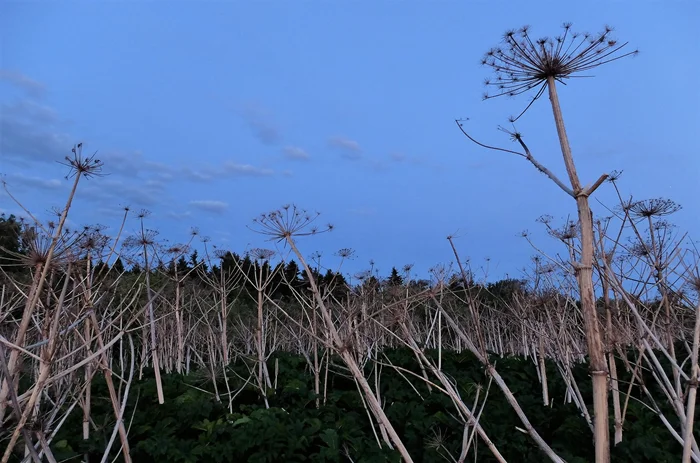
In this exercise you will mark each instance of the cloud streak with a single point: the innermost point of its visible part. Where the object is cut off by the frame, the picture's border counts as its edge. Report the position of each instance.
(295, 153)
(23, 181)
(227, 169)
(210, 205)
(31, 132)
(260, 122)
(27, 84)
(349, 149)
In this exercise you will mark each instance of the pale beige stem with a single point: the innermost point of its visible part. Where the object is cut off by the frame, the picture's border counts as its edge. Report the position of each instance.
(15, 360)
(584, 274)
(692, 391)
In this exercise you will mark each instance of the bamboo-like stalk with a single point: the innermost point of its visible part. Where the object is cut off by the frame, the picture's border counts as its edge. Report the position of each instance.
(692, 391)
(41, 272)
(584, 269)
(470, 418)
(492, 372)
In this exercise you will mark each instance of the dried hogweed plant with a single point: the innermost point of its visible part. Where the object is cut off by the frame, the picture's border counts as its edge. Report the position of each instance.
(522, 65)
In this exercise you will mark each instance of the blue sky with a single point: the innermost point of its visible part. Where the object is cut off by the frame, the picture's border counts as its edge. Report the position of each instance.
(210, 113)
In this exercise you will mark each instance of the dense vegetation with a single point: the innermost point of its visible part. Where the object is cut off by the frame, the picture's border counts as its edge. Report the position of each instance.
(192, 426)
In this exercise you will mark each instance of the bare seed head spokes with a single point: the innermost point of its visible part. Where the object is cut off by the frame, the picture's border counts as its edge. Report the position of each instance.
(177, 250)
(261, 254)
(37, 246)
(141, 239)
(87, 166)
(566, 232)
(345, 253)
(694, 283)
(522, 64)
(287, 222)
(658, 207)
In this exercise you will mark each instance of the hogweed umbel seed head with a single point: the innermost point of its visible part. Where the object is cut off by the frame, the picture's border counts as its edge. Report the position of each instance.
(658, 207)
(87, 166)
(523, 64)
(287, 222)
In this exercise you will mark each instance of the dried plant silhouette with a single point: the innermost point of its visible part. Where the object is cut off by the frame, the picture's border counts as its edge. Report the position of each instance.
(525, 65)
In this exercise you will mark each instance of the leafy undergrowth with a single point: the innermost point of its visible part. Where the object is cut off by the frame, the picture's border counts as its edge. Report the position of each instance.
(192, 426)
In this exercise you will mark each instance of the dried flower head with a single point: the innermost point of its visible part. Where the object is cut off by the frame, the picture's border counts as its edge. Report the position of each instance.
(546, 269)
(524, 64)
(658, 207)
(145, 238)
(663, 225)
(640, 249)
(261, 254)
(566, 232)
(345, 253)
(37, 247)
(545, 219)
(437, 440)
(87, 166)
(694, 283)
(287, 222)
(177, 249)
(614, 175)
(92, 240)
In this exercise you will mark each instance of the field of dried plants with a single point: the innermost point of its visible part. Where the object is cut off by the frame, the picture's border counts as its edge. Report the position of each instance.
(98, 331)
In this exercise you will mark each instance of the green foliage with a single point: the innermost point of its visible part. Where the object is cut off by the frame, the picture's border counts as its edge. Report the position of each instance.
(11, 242)
(192, 426)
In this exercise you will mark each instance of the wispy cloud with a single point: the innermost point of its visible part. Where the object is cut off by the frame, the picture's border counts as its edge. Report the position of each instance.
(260, 122)
(246, 169)
(209, 205)
(23, 181)
(198, 175)
(29, 85)
(131, 163)
(122, 191)
(32, 132)
(348, 148)
(226, 169)
(295, 153)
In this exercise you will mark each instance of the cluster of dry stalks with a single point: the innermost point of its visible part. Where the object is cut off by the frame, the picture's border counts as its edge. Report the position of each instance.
(628, 283)
(73, 318)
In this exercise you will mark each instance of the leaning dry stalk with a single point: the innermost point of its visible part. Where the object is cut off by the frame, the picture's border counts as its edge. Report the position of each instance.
(16, 407)
(42, 271)
(449, 389)
(349, 360)
(47, 354)
(493, 373)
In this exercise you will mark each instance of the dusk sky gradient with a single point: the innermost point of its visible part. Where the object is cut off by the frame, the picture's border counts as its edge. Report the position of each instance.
(210, 113)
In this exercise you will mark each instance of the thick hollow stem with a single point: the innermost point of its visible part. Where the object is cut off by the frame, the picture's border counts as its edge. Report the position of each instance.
(692, 390)
(596, 351)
